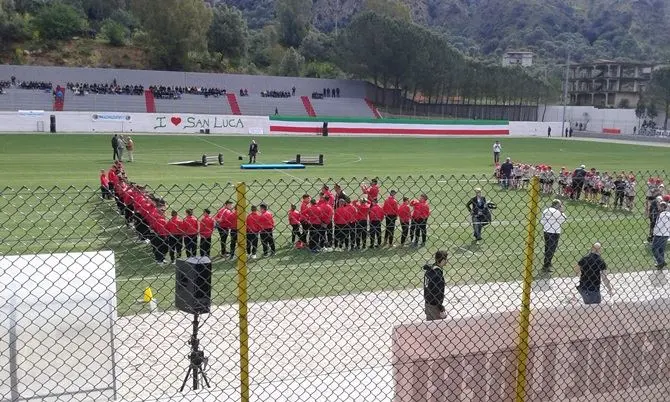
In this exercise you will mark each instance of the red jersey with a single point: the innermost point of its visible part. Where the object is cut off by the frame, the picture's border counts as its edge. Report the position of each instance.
(190, 226)
(391, 206)
(372, 192)
(111, 175)
(362, 210)
(326, 213)
(158, 223)
(421, 210)
(293, 217)
(266, 220)
(342, 215)
(405, 212)
(253, 223)
(350, 213)
(104, 180)
(206, 226)
(303, 208)
(313, 215)
(376, 213)
(174, 226)
(331, 198)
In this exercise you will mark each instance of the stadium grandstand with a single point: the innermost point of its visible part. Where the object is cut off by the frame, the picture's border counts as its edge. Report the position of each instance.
(139, 91)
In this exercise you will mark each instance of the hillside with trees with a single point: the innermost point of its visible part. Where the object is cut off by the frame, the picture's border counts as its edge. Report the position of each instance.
(428, 50)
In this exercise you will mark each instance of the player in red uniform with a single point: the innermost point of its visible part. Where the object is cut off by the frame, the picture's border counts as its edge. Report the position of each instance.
(304, 204)
(420, 217)
(326, 213)
(371, 191)
(342, 219)
(294, 222)
(267, 225)
(226, 225)
(190, 230)
(361, 231)
(174, 226)
(104, 186)
(391, 213)
(376, 214)
(405, 215)
(206, 229)
(253, 229)
(313, 219)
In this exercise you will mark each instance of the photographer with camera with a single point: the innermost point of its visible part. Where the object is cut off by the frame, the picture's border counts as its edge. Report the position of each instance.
(480, 212)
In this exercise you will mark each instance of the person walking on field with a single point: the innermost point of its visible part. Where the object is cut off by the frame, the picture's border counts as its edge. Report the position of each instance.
(552, 219)
(591, 270)
(434, 286)
(253, 151)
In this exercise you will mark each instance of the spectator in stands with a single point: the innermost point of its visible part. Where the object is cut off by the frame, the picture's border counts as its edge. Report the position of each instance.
(43, 86)
(338, 92)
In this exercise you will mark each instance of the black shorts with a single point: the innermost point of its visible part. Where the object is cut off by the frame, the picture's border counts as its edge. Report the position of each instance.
(650, 198)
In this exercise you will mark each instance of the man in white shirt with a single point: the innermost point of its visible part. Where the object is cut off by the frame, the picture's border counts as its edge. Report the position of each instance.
(497, 148)
(661, 235)
(552, 219)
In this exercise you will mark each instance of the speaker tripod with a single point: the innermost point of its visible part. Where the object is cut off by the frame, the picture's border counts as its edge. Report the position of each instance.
(197, 360)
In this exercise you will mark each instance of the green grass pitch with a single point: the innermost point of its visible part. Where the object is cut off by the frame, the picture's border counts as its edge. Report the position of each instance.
(40, 219)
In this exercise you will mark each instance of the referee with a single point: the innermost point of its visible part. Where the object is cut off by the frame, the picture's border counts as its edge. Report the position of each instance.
(433, 287)
(552, 219)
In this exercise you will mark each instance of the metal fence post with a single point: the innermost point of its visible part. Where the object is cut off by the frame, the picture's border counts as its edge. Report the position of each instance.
(242, 295)
(524, 318)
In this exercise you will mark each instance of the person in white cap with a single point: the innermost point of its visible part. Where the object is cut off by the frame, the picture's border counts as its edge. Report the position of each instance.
(592, 271)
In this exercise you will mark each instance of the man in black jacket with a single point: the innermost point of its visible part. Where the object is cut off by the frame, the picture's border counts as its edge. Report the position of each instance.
(433, 287)
(115, 146)
(253, 151)
(506, 172)
(578, 182)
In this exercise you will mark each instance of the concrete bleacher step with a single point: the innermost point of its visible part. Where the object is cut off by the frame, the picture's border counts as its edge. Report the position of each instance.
(25, 99)
(255, 105)
(106, 103)
(342, 107)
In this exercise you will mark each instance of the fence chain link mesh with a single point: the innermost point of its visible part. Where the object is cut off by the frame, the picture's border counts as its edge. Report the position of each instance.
(336, 308)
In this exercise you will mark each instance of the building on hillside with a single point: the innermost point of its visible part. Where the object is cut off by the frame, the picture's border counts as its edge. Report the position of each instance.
(607, 83)
(523, 59)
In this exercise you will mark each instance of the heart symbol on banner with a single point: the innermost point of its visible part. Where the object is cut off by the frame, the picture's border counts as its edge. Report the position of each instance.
(175, 120)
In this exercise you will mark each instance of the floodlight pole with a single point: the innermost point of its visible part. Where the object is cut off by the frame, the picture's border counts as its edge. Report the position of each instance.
(565, 94)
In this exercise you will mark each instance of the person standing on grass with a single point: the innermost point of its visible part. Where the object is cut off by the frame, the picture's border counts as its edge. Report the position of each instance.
(175, 238)
(591, 270)
(371, 191)
(405, 217)
(341, 220)
(120, 147)
(130, 147)
(420, 216)
(115, 147)
(253, 151)
(206, 229)
(506, 170)
(190, 229)
(294, 222)
(267, 226)
(497, 149)
(361, 232)
(326, 212)
(661, 235)
(391, 213)
(376, 217)
(478, 209)
(434, 287)
(223, 225)
(253, 229)
(304, 222)
(552, 219)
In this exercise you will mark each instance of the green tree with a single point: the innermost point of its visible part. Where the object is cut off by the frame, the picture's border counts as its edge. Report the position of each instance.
(174, 28)
(13, 26)
(58, 21)
(317, 46)
(228, 34)
(389, 8)
(294, 17)
(115, 33)
(97, 10)
(659, 90)
(291, 64)
(261, 46)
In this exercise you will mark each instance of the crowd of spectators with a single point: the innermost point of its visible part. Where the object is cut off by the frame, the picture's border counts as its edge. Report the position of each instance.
(164, 92)
(42, 86)
(4, 85)
(275, 94)
(82, 89)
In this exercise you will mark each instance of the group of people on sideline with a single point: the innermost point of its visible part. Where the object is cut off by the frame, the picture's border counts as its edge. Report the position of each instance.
(121, 144)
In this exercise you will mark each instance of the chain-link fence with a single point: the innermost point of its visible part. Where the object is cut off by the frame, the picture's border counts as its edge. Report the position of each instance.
(329, 301)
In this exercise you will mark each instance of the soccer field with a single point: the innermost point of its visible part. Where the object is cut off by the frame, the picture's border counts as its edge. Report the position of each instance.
(38, 218)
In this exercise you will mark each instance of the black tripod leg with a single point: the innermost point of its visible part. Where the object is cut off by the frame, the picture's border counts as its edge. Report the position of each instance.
(204, 377)
(188, 374)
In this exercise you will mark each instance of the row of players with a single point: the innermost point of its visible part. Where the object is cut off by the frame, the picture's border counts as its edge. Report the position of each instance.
(616, 189)
(331, 222)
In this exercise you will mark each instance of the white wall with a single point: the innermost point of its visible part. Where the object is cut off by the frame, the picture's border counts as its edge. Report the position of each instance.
(623, 119)
(30, 121)
(534, 129)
